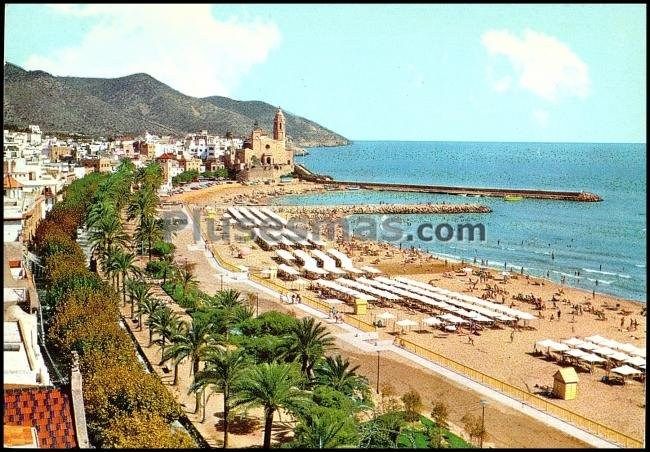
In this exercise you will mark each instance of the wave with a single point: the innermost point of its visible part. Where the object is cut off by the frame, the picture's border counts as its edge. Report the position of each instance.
(640, 265)
(591, 270)
(453, 256)
(600, 281)
(562, 273)
(622, 275)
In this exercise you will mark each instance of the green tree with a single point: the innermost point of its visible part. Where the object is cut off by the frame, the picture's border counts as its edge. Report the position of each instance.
(473, 426)
(412, 405)
(149, 231)
(271, 386)
(138, 291)
(336, 373)
(223, 368)
(229, 298)
(326, 429)
(107, 232)
(148, 306)
(163, 322)
(440, 414)
(125, 265)
(308, 342)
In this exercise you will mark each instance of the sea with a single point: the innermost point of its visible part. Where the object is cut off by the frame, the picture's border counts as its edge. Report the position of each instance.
(596, 246)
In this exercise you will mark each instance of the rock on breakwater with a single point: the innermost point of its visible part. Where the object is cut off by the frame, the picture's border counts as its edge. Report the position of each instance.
(347, 209)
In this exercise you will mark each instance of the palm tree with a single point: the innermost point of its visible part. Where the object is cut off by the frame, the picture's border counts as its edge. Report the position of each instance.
(337, 374)
(185, 277)
(320, 432)
(191, 342)
(222, 369)
(149, 231)
(308, 342)
(174, 352)
(109, 265)
(142, 205)
(150, 176)
(149, 306)
(125, 265)
(163, 323)
(100, 210)
(229, 298)
(107, 232)
(272, 386)
(138, 291)
(168, 268)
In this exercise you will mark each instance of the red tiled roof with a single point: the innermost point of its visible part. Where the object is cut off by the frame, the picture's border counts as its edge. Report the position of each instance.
(167, 156)
(11, 182)
(49, 410)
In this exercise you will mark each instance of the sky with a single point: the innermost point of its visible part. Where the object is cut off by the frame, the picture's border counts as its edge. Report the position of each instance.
(550, 73)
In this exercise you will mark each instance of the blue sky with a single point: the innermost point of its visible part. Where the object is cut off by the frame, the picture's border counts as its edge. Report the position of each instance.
(392, 72)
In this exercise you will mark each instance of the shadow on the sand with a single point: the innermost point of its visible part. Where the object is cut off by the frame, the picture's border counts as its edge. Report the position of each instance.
(239, 425)
(283, 431)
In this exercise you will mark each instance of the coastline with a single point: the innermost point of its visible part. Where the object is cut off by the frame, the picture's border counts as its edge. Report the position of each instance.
(493, 353)
(230, 194)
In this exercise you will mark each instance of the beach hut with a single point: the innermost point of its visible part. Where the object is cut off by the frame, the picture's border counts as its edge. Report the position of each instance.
(565, 383)
(360, 306)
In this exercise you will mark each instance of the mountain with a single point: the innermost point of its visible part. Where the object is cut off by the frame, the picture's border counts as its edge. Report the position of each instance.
(137, 103)
(304, 132)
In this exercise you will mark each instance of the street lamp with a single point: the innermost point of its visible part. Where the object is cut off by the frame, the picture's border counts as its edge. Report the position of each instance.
(257, 299)
(221, 275)
(483, 403)
(377, 371)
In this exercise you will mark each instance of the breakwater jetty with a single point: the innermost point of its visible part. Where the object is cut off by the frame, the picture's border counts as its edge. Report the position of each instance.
(304, 173)
(350, 209)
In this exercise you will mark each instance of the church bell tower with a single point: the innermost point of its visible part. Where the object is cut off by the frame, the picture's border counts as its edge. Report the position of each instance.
(278, 126)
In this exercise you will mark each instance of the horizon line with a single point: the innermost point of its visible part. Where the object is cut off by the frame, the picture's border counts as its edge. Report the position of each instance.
(492, 141)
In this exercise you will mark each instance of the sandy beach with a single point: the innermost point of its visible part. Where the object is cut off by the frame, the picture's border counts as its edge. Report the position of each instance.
(500, 353)
(506, 427)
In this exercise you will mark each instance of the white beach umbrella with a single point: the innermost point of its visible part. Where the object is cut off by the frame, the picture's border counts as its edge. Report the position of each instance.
(575, 353)
(483, 319)
(590, 357)
(618, 356)
(626, 370)
(604, 351)
(559, 347)
(610, 343)
(595, 339)
(636, 361)
(588, 346)
(627, 347)
(468, 270)
(386, 315)
(432, 321)
(573, 342)
(639, 352)
(545, 343)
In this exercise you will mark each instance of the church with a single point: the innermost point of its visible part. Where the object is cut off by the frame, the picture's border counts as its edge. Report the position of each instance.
(263, 157)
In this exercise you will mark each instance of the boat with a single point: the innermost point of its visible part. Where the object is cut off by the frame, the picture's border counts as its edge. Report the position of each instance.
(354, 187)
(512, 198)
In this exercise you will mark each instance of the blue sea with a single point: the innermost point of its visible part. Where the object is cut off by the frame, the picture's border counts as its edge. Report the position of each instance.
(605, 241)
